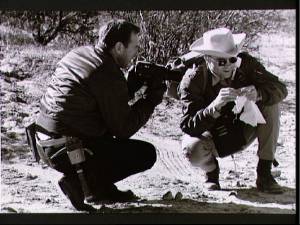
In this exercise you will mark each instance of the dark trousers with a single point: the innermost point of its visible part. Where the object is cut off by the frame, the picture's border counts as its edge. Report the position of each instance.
(112, 160)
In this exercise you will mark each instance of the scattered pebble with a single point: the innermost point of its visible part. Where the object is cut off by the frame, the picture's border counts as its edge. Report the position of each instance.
(202, 196)
(31, 177)
(9, 209)
(233, 193)
(239, 184)
(178, 196)
(48, 201)
(44, 166)
(168, 196)
(177, 182)
(276, 173)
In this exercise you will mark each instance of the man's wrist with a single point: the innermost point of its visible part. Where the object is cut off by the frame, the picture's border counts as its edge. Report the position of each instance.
(213, 111)
(216, 112)
(259, 96)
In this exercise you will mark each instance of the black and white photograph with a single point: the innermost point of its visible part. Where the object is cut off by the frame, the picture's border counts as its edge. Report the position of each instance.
(148, 111)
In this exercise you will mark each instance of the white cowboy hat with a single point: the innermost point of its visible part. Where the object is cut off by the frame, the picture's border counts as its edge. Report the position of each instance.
(219, 42)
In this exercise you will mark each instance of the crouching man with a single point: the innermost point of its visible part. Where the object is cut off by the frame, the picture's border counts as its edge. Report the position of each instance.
(87, 101)
(208, 92)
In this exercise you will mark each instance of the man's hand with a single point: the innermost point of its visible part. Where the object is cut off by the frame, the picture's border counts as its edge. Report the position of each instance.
(249, 92)
(134, 82)
(225, 95)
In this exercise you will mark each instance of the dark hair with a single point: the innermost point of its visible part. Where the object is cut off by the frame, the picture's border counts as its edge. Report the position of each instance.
(115, 31)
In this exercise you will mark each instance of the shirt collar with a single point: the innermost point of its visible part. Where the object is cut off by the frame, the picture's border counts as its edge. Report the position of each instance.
(106, 56)
(216, 78)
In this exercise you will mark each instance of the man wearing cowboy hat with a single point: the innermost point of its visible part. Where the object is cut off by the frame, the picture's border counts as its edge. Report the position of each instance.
(209, 92)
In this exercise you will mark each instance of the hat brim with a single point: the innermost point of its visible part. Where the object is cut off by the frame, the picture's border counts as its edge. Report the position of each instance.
(191, 55)
(198, 46)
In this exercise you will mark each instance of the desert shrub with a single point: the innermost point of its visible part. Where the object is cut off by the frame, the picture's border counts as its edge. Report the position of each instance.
(165, 34)
(14, 36)
(46, 26)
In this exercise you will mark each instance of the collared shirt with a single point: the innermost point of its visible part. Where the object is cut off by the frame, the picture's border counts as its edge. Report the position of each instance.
(198, 115)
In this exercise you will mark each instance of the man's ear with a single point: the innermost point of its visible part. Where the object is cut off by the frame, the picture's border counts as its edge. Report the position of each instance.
(119, 47)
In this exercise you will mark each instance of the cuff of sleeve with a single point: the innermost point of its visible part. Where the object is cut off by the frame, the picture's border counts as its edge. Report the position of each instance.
(259, 96)
(212, 111)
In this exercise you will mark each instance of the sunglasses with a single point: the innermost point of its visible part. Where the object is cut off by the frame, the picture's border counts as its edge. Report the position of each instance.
(223, 61)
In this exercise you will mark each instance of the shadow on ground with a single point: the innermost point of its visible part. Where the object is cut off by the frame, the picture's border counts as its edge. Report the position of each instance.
(185, 206)
(252, 195)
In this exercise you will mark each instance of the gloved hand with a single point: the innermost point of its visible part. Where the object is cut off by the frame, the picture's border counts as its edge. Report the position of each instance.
(155, 91)
(134, 82)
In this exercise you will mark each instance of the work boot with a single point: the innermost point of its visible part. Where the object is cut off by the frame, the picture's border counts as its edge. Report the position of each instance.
(112, 194)
(212, 178)
(71, 187)
(265, 182)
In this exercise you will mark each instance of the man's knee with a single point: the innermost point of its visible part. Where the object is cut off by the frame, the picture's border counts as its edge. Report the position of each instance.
(199, 151)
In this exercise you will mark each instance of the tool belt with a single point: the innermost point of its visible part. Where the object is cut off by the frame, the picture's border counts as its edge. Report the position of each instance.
(73, 146)
(39, 141)
(59, 143)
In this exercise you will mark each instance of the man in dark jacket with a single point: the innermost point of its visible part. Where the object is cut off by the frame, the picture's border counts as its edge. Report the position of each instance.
(87, 98)
(209, 92)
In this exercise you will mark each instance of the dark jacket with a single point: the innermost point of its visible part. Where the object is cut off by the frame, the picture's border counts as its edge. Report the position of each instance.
(197, 92)
(88, 96)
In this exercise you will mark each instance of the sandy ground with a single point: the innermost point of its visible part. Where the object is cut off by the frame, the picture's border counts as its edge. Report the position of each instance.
(28, 187)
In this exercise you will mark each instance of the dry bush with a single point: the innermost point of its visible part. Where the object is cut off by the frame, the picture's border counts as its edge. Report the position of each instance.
(46, 26)
(167, 34)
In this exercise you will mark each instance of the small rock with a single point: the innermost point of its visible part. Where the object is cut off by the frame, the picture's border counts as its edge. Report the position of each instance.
(276, 173)
(168, 196)
(238, 184)
(48, 201)
(178, 196)
(44, 166)
(31, 177)
(202, 196)
(233, 193)
(177, 181)
(10, 209)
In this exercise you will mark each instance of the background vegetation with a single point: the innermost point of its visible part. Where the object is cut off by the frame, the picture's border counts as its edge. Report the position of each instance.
(164, 34)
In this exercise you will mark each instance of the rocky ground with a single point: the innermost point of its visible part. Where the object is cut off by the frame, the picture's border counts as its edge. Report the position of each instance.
(28, 187)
